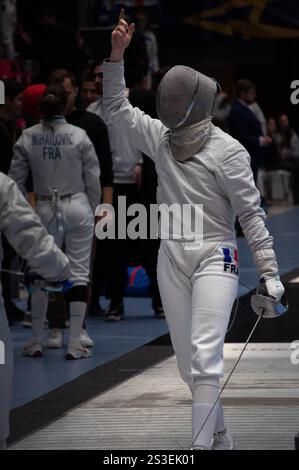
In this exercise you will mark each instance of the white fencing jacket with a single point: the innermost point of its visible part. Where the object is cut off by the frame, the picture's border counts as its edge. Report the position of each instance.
(219, 176)
(60, 156)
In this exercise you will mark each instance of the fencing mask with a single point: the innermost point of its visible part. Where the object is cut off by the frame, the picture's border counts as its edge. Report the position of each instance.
(185, 102)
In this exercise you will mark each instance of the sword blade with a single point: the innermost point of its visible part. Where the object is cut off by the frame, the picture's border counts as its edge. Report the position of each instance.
(13, 273)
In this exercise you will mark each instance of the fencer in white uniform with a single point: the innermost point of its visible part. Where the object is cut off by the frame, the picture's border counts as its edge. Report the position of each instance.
(25, 232)
(197, 163)
(66, 180)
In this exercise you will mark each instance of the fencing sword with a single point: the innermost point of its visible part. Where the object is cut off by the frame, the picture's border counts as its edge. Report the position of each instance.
(13, 273)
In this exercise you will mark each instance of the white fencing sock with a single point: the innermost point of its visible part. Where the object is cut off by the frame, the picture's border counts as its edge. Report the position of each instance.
(77, 314)
(220, 422)
(39, 307)
(205, 393)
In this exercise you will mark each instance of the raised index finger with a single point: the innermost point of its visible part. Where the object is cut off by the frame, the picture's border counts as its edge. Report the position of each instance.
(122, 15)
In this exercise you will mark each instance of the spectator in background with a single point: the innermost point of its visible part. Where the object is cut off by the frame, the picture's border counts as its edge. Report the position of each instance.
(127, 167)
(222, 109)
(89, 91)
(276, 160)
(258, 112)
(145, 100)
(245, 126)
(288, 146)
(287, 139)
(30, 103)
(8, 20)
(273, 157)
(151, 44)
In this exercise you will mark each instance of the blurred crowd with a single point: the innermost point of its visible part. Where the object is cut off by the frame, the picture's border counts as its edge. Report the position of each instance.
(55, 54)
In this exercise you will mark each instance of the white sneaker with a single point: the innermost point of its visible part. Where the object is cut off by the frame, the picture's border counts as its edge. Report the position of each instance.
(223, 441)
(33, 349)
(77, 352)
(86, 340)
(55, 339)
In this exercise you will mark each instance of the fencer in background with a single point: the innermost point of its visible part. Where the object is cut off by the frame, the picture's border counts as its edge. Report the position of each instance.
(197, 163)
(30, 239)
(66, 180)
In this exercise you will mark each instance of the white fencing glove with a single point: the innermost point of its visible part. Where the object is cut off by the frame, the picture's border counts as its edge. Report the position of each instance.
(269, 299)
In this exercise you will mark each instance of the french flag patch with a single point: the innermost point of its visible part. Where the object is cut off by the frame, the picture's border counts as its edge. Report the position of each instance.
(230, 260)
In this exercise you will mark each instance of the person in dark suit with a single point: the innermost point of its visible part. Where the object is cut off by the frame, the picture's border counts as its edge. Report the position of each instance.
(245, 127)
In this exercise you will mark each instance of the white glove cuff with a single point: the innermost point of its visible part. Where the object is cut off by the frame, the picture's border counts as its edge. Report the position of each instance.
(266, 263)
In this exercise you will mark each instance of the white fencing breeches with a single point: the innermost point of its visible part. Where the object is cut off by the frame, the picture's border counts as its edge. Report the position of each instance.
(6, 374)
(198, 305)
(72, 226)
(198, 289)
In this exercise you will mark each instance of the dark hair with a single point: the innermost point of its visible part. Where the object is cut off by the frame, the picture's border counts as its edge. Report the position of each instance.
(53, 102)
(243, 86)
(58, 76)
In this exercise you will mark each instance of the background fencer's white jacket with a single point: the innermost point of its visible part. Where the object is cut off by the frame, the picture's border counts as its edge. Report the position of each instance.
(60, 156)
(27, 235)
(219, 176)
(125, 154)
(25, 232)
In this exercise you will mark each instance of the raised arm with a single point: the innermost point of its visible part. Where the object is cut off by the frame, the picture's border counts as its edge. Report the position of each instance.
(144, 131)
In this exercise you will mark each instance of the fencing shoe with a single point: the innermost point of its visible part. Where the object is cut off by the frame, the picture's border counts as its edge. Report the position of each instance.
(115, 312)
(223, 441)
(55, 339)
(77, 351)
(85, 340)
(33, 349)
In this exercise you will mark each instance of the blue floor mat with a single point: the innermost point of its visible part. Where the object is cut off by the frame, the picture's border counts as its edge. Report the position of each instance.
(35, 377)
